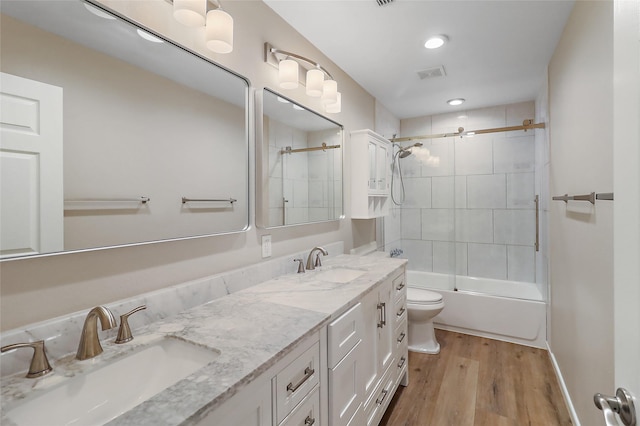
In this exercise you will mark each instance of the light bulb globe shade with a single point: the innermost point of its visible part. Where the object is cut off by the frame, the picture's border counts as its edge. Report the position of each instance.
(336, 107)
(219, 31)
(288, 74)
(329, 92)
(315, 78)
(191, 13)
(436, 42)
(455, 102)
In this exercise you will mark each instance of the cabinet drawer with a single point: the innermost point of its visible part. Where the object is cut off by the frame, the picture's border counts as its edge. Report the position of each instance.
(296, 380)
(344, 333)
(400, 286)
(400, 339)
(307, 413)
(380, 399)
(399, 311)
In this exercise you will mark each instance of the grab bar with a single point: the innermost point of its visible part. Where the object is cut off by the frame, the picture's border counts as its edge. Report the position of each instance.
(204, 200)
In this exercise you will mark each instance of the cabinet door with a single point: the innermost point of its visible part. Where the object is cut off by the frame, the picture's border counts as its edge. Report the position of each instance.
(250, 407)
(373, 162)
(385, 343)
(382, 157)
(345, 388)
(372, 320)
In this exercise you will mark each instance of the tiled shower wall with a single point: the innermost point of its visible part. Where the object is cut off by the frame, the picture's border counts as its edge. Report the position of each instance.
(469, 202)
(309, 181)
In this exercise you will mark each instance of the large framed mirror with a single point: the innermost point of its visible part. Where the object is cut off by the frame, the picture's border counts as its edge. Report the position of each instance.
(112, 135)
(299, 164)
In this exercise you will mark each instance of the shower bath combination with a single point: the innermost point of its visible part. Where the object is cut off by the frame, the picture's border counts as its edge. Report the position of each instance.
(403, 152)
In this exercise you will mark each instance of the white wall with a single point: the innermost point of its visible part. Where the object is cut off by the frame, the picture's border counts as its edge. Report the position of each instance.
(42, 288)
(581, 242)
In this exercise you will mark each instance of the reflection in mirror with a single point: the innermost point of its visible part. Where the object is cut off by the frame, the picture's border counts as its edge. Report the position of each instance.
(301, 164)
(104, 132)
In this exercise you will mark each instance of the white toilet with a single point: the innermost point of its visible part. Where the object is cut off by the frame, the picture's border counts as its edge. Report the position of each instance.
(423, 305)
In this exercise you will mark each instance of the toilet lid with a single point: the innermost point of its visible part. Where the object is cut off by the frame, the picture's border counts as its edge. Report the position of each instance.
(422, 296)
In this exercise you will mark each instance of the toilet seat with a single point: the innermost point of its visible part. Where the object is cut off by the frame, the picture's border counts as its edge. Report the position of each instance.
(419, 296)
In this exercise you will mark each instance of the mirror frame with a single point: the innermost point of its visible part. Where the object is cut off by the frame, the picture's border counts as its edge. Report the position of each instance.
(262, 178)
(247, 146)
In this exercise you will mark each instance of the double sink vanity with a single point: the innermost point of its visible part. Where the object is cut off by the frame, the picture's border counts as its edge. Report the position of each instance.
(327, 347)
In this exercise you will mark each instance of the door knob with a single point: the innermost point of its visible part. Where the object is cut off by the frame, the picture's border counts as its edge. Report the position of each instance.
(622, 404)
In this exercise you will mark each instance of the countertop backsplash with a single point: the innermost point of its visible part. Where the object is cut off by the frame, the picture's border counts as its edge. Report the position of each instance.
(62, 334)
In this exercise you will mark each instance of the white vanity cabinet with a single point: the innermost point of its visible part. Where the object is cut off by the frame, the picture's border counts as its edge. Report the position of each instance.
(385, 346)
(287, 394)
(370, 174)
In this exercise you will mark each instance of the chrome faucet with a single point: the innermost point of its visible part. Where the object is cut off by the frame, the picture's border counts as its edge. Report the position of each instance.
(310, 265)
(89, 346)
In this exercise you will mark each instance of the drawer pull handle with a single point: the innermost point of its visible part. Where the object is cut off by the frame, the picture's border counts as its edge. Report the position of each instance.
(380, 308)
(401, 338)
(400, 286)
(402, 361)
(380, 400)
(309, 421)
(308, 372)
(401, 312)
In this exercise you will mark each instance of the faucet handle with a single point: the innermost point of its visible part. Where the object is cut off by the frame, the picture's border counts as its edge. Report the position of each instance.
(124, 332)
(39, 363)
(300, 265)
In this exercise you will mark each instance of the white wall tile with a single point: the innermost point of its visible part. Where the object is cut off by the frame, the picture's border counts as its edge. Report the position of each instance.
(275, 192)
(461, 192)
(415, 126)
(521, 263)
(417, 192)
(487, 118)
(474, 226)
(410, 166)
(442, 192)
(392, 226)
(437, 158)
(411, 228)
(514, 155)
(515, 227)
(448, 122)
(437, 224)
(474, 156)
(449, 258)
(317, 194)
(486, 191)
(419, 254)
(300, 194)
(520, 191)
(488, 261)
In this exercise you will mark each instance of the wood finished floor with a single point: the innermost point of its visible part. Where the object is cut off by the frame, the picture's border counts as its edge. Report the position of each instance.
(478, 382)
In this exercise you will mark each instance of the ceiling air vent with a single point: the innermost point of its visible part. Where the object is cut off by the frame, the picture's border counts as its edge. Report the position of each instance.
(432, 72)
(383, 2)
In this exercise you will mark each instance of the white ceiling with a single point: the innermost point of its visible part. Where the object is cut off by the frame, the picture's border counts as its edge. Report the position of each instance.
(497, 53)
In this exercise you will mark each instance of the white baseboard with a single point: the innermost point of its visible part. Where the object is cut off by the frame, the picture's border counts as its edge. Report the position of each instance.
(563, 388)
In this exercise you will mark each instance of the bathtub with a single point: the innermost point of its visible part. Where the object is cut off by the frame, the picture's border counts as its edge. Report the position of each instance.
(499, 309)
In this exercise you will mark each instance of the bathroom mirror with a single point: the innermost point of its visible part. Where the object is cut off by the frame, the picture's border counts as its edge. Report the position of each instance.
(113, 136)
(300, 166)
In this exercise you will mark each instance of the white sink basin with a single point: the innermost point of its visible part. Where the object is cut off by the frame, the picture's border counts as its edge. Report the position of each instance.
(101, 395)
(340, 275)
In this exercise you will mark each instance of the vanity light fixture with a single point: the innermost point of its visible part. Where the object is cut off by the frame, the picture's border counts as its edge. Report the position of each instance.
(318, 81)
(436, 41)
(209, 14)
(456, 101)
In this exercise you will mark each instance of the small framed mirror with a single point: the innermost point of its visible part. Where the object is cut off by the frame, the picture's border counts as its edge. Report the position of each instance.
(300, 164)
(113, 135)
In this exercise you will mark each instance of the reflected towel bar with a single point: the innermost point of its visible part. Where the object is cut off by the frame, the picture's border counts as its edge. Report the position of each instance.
(605, 196)
(104, 203)
(205, 200)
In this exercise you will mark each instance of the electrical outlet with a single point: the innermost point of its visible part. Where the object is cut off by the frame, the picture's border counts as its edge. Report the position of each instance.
(266, 246)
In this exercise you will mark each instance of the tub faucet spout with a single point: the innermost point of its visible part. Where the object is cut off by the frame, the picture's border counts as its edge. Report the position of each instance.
(89, 346)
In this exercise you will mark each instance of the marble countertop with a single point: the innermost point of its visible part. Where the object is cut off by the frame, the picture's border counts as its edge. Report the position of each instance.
(252, 329)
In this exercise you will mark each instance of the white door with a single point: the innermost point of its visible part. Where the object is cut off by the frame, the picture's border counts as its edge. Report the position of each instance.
(31, 178)
(626, 220)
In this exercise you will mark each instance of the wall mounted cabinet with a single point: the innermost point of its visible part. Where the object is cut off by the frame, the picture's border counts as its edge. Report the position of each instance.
(370, 174)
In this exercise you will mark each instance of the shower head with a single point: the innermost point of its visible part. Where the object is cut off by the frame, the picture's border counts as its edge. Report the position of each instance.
(405, 152)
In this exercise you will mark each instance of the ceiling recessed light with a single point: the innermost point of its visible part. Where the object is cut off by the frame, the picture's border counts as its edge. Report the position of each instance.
(145, 35)
(455, 102)
(435, 42)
